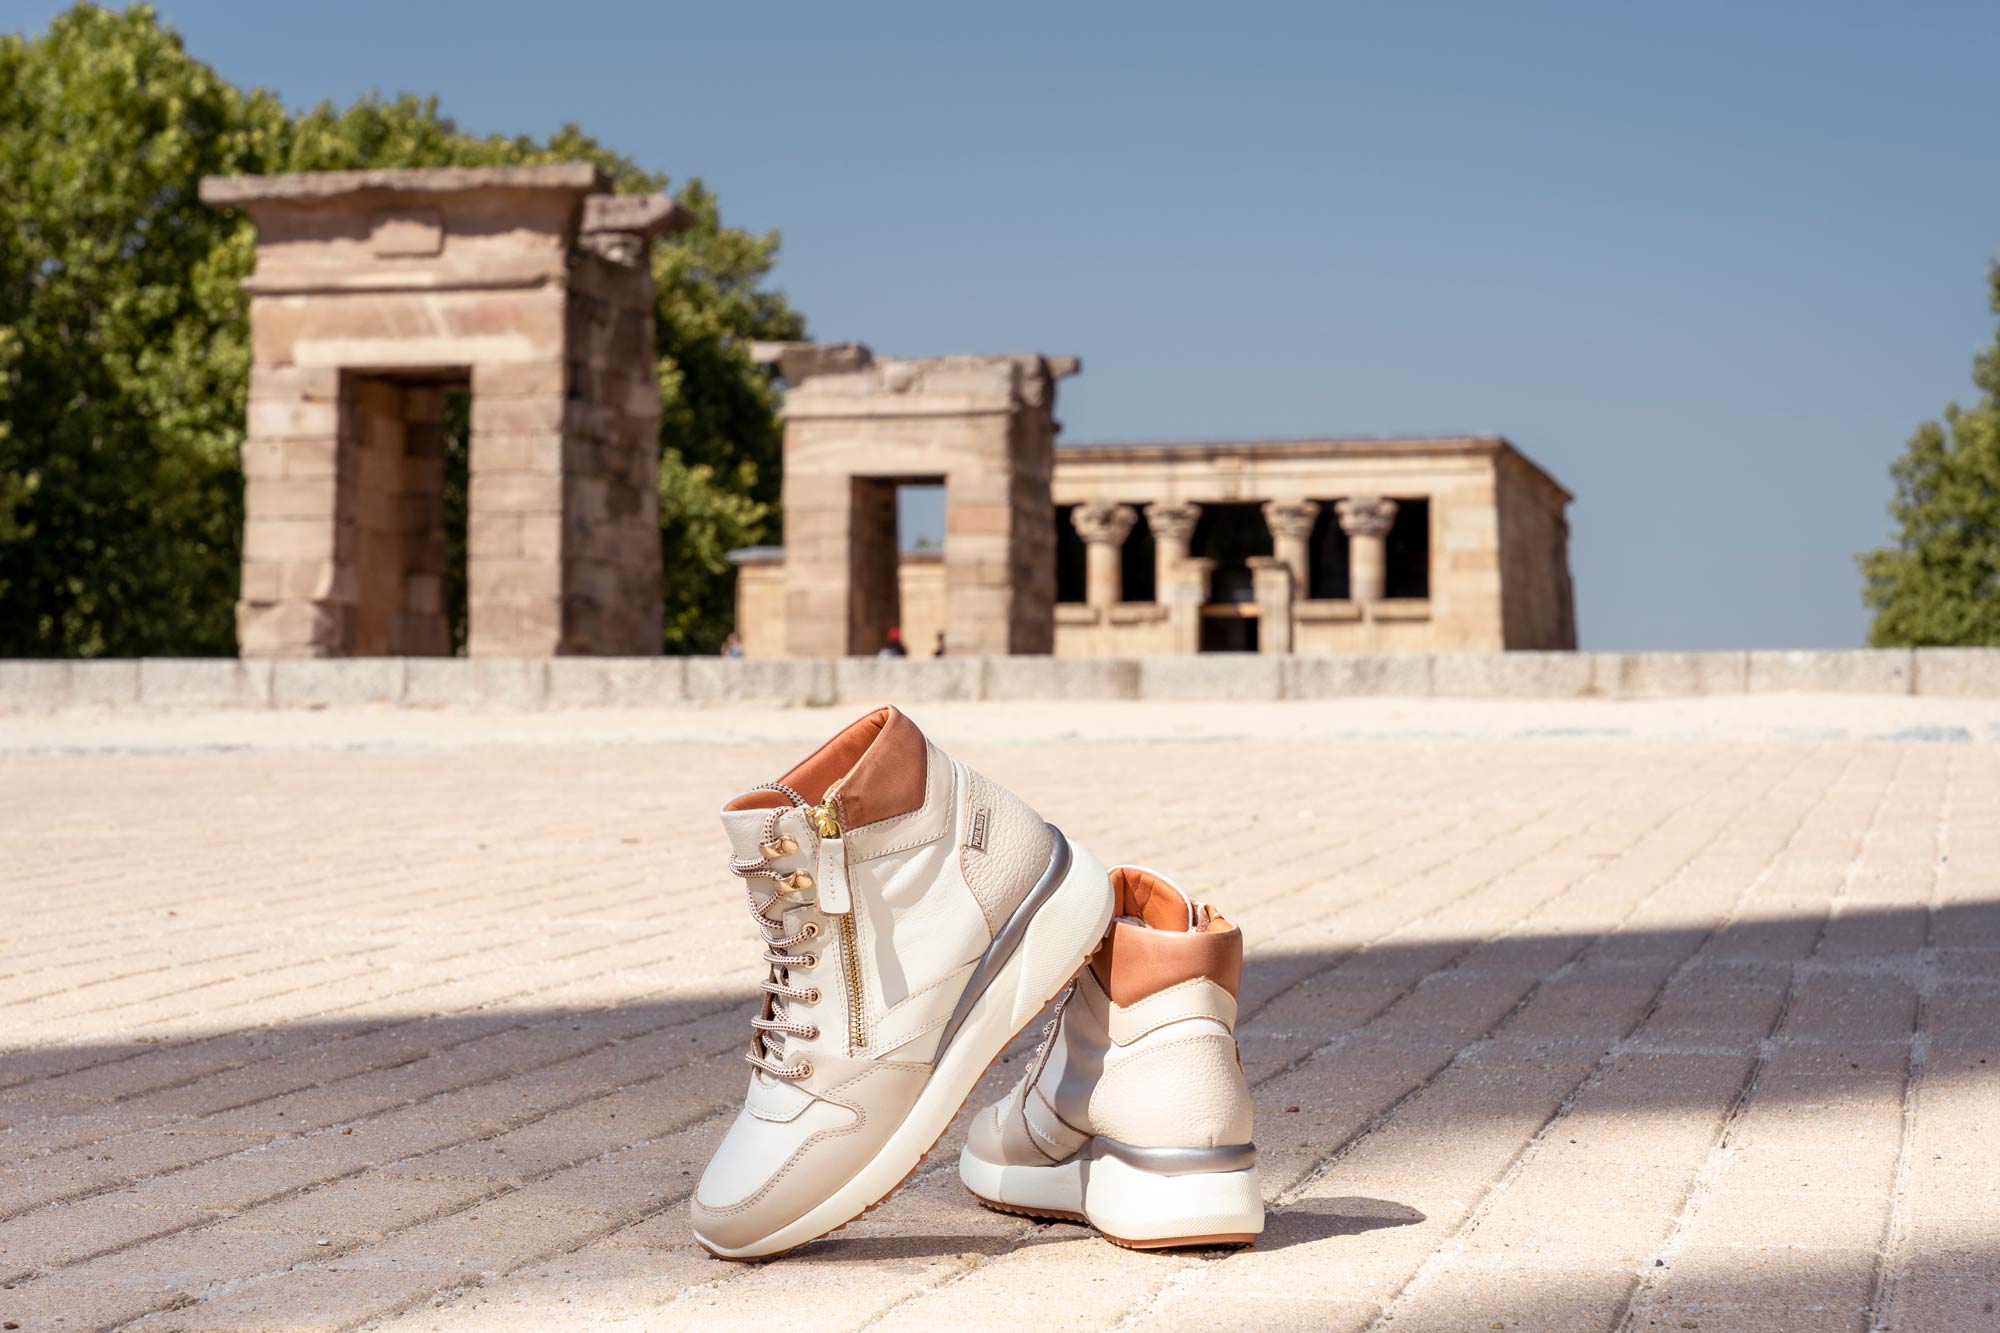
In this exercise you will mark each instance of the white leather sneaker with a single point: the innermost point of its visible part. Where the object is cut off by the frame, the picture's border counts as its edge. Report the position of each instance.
(1133, 1115)
(915, 917)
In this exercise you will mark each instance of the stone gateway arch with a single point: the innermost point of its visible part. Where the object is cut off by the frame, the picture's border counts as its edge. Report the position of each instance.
(375, 294)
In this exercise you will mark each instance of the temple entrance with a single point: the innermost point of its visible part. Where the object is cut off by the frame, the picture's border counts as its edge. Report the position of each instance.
(881, 512)
(1231, 535)
(389, 511)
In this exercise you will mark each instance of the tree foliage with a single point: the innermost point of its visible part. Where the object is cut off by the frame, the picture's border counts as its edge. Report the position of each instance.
(124, 342)
(1939, 584)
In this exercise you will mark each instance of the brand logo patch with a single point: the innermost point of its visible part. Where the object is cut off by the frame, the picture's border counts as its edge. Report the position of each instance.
(978, 840)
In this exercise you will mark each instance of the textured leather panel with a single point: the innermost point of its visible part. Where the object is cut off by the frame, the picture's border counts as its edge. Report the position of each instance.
(1004, 847)
(1197, 997)
(1184, 1092)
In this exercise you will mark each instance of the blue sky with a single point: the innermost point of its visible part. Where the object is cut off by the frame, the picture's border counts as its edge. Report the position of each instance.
(1707, 263)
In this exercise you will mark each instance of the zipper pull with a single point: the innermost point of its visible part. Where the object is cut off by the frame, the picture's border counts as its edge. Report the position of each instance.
(835, 897)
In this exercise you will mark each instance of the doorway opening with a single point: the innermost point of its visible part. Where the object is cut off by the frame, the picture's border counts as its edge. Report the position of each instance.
(394, 537)
(896, 564)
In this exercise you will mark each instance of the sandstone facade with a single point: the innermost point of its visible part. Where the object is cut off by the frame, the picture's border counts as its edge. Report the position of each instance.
(376, 294)
(1306, 546)
(856, 429)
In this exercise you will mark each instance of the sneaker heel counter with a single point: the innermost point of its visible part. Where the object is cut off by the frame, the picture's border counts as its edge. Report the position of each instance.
(1004, 847)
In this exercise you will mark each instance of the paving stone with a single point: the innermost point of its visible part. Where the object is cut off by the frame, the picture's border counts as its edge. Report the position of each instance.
(472, 1014)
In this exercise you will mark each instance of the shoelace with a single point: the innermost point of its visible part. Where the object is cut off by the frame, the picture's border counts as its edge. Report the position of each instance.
(764, 1052)
(1046, 1046)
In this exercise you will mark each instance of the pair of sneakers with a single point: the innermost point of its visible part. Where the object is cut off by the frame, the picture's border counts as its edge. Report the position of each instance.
(916, 916)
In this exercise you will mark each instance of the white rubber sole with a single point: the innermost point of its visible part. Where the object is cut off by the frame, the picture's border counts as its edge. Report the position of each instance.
(1130, 1205)
(1064, 932)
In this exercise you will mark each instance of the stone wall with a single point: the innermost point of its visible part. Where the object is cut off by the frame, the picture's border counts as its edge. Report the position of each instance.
(28, 687)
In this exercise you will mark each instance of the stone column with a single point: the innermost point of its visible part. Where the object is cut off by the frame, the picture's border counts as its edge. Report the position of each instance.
(1173, 527)
(1366, 520)
(1103, 528)
(1271, 582)
(1291, 523)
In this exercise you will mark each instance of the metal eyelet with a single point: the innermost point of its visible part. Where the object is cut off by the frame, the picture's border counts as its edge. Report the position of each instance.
(814, 1034)
(812, 997)
(812, 930)
(807, 962)
(805, 1070)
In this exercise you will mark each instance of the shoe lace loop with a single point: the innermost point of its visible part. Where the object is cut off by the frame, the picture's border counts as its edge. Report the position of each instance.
(765, 1053)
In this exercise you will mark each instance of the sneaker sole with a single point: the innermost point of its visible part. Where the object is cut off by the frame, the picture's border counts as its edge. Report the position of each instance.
(1128, 1205)
(1046, 942)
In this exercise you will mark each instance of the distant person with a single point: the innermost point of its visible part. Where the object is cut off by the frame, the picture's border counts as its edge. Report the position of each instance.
(892, 645)
(939, 650)
(732, 646)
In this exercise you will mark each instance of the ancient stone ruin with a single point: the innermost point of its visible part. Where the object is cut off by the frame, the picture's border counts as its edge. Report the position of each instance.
(378, 293)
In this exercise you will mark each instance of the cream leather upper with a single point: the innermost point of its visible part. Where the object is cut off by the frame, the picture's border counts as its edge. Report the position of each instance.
(920, 928)
(1161, 1072)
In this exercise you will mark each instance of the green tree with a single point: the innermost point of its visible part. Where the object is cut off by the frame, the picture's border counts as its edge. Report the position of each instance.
(121, 393)
(1939, 584)
(124, 355)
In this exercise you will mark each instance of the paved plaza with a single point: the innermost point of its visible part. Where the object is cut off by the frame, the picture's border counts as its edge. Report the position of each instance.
(1558, 1016)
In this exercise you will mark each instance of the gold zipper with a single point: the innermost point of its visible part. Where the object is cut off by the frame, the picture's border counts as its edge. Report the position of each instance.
(828, 825)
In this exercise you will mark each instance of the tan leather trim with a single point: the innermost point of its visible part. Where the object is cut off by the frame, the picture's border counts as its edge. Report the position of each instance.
(888, 779)
(1134, 962)
(877, 762)
(1149, 897)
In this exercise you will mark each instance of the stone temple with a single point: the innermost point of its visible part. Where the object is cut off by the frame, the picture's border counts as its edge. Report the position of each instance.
(1293, 546)
(525, 296)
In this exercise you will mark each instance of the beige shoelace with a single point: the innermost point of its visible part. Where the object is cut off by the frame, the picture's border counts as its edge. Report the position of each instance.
(766, 1052)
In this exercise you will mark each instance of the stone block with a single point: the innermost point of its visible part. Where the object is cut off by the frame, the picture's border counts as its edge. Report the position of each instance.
(290, 418)
(289, 629)
(515, 492)
(1344, 675)
(779, 680)
(337, 682)
(475, 682)
(34, 687)
(1526, 675)
(1959, 672)
(1668, 675)
(1038, 677)
(879, 680)
(616, 682)
(213, 682)
(108, 683)
(1235, 676)
(1857, 671)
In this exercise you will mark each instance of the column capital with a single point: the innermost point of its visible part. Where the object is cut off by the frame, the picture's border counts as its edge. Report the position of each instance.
(1291, 519)
(1106, 523)
(1366, 515)
(1173, 523)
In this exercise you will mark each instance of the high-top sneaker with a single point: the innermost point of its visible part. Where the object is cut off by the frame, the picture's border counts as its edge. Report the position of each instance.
(915, 917)
(1133, 1115)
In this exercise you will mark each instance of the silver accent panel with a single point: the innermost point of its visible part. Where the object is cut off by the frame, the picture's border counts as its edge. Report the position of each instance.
(1175, 1161)
(1005, 942)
